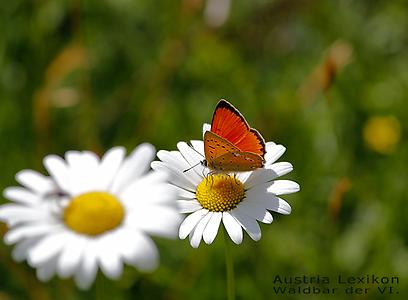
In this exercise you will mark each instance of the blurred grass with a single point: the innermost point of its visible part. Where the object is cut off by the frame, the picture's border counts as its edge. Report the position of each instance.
(307, 74)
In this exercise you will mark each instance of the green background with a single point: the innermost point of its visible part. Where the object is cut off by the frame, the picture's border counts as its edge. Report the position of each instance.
(307, 74)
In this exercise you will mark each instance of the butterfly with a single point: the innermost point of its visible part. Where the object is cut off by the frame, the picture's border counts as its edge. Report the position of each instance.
(231, 145)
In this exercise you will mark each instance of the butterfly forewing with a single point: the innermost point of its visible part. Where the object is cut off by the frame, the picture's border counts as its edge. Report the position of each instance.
(221, 155)
(215, 146)
(229, 124)
(231, 145)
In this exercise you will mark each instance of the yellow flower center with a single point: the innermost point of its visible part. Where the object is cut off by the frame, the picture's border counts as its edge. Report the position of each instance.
(220, 192)
(93, 213)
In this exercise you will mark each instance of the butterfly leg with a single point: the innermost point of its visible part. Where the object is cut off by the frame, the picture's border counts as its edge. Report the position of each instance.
(209, 179)
(235, 178)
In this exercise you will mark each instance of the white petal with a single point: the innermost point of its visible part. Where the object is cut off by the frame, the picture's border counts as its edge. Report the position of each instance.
(206, 127)
(211, 230)
(155, 220)
(84, 173)
(268, 174)
(268, 218)
(150, 189)
(85, 274)
(158, 194)
(190, 154)
(81, 160)
(258, 177)
(110, 262)
(58, 169)
(184, 194)
(281, 168)
(21, 195)
(281, 207)
(14, 214)
(141, 252)
(281, 187)
(250, 225)
(173, 159)
(268, 200)
(190, 222)
(35, 181)
(233, 227)
(188, 206)
(177, 161)
(255, 210)
(46, 248)
(199, 146)
(137, 164)
(47, 269)
(273, 153)
(123, 240)
(177, 178)
(110, 164)
(20, 251)
(16, 234)
(193, 158)
(199, 230)
(71, 256)
(243, 176)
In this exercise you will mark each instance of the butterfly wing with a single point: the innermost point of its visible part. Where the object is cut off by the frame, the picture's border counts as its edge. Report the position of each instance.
(229, 124)
(215, 146)
(221, 155)
(238, 162)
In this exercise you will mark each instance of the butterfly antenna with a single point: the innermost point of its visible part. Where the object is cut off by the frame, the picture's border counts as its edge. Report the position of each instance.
(191, 146)
(186, 170)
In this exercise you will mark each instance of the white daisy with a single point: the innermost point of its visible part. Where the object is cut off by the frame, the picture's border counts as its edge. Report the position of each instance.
(90, 213)
(238, 200)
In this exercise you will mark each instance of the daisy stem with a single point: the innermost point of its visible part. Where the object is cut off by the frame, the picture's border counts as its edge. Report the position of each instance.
(229, 266)
(100, 291)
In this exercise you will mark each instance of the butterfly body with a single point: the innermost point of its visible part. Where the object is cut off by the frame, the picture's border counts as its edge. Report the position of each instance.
(231, 145)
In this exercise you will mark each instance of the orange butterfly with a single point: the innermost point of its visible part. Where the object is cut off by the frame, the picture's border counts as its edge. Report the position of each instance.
(231, 145)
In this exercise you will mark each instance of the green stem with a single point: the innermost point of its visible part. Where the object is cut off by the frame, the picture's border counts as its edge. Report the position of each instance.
(229, 266)
(99, 288)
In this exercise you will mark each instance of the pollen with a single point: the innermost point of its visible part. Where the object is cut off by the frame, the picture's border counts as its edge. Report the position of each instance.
(220, 192)
(93, 213)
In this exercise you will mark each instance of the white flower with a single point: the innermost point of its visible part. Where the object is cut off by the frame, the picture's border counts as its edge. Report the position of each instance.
(238, 200)
(90, 213)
